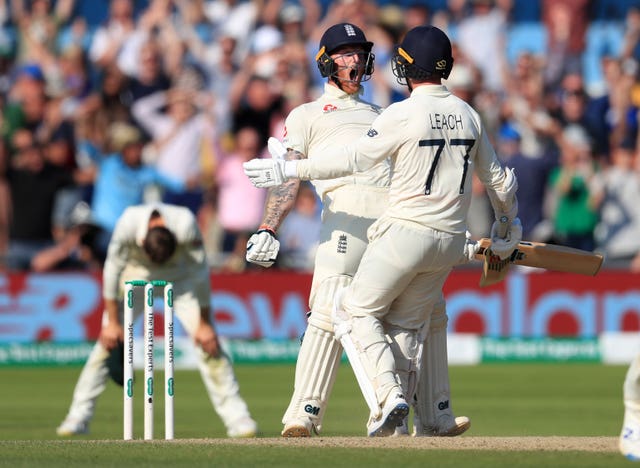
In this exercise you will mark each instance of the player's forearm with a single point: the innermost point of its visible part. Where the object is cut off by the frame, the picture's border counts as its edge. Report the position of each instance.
(345, 161)
(281, 199)
(111, 308)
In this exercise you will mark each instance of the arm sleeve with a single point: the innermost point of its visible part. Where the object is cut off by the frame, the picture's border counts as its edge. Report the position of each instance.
(488, 167)
(373, 147)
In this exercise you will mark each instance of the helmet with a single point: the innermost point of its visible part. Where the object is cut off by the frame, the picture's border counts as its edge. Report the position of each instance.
(425, 52)
(339, 35)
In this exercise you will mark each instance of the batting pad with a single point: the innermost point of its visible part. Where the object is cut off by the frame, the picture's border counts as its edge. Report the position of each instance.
(406, 346)
(432, 398)
(631, 387)
(316, 370)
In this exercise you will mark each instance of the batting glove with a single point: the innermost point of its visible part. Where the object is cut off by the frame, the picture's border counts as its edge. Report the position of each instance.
(263, 247)
(471, 247)
(503, 247)
(264, 173)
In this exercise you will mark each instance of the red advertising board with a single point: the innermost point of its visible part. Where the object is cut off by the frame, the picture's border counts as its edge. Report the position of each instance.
(67, 306)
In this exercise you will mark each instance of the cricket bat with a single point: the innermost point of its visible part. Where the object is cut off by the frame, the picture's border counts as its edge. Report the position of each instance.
(537, 255)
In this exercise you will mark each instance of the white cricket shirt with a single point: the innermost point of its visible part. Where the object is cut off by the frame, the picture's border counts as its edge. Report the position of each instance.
(316, 129)
(435, 142)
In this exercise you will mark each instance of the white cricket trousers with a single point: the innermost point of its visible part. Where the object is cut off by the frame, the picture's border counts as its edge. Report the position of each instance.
(398, 282)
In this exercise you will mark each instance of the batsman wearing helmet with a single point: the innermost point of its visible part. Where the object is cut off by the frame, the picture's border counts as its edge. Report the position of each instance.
(350, 205)
(434, 142)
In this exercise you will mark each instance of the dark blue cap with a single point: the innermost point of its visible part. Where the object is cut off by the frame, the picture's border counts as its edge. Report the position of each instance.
(428, 48)
(342, 34)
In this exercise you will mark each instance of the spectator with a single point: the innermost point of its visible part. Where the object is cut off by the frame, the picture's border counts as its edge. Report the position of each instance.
(121, 180)
(532, 183)
(566, 23)
(481, 38)
(179, 135)
(109, 38)
(34, 184)
(299, 233)
(618, 231)
(238, 220)
(573, 196)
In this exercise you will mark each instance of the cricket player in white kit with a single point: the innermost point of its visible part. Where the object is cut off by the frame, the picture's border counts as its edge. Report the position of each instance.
(629, 443)
(435, 141)
(160, 241)
(351, 204)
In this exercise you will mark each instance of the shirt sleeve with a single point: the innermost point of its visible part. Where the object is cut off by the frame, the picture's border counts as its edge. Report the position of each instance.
(373, 147)
(488, 167)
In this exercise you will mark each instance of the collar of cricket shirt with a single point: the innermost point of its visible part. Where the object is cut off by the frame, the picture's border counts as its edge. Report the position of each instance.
(432, 89)
(335, 92)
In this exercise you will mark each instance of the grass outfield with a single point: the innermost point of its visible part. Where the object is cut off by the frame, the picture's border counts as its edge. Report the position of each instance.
(510, 406)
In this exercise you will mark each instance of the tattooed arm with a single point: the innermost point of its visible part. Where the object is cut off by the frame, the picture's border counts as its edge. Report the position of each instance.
(281, 199)
(263, 247)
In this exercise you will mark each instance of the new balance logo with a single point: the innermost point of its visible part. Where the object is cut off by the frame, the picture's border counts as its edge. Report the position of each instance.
(342, 244)
(443, 405)
(312, 409)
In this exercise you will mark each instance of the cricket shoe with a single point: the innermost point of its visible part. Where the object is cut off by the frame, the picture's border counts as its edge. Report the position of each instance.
(298, 428)
(393, 413)
(71, 427)
(629, 443)
(244, 428)
(403, 429)
(453, 428)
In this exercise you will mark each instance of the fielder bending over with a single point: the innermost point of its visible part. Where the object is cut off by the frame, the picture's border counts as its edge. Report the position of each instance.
(160, 241)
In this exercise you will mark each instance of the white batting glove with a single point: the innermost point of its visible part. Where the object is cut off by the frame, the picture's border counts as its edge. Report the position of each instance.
(264, 173)
(503, 247)
(263, 248)
(471, 247)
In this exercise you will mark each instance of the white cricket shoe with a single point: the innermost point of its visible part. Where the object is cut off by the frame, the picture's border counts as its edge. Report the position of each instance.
(243, 428)
(71, 427)
(451, 428)
(629, 443)
(298, 428)
(393, 413)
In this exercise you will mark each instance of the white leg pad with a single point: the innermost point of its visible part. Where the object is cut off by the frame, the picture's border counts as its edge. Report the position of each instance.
(406, 346)
(316, 370)
(433, 408)
(631, 386)
(369, 354)
(318, 359)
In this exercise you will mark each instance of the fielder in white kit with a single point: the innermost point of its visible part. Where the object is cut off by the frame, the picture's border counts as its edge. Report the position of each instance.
(150, 242)
(350, 205)
(629, 441)
(435, 141)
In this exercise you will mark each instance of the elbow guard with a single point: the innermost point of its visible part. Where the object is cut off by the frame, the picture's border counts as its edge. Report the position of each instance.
(504, 201)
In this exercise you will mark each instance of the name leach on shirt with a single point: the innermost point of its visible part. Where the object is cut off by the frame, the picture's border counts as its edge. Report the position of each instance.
(446, 121)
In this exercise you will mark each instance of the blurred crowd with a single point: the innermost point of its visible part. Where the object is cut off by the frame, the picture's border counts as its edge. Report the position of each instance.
(106, 104)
